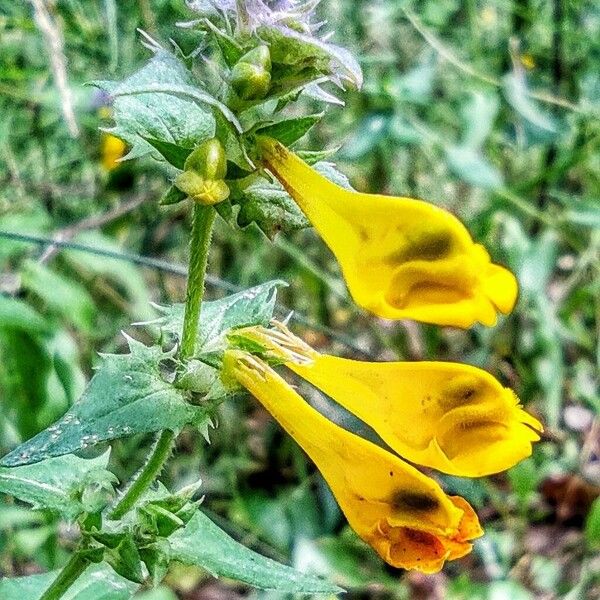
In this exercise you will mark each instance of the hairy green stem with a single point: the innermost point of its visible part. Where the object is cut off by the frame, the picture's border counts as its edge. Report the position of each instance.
(202, 223)
(203, 219)
(148, 473)
(66, 578)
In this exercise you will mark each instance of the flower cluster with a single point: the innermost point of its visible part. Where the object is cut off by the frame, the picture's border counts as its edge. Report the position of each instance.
(401, 258)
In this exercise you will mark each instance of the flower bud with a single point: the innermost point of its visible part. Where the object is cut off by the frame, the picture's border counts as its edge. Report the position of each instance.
(205, 170)
(208, 160)
(251, 76)
(201, 190)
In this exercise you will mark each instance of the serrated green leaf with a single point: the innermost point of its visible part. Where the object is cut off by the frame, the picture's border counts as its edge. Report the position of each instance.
(57, 483)
(204, 544)
(253, 306)
(291, 48)
(330, 171)
(291, 130)
(121, 553)
(99, 582)
(147, 106)
(127, 395)
(272, 209)
(230, 49)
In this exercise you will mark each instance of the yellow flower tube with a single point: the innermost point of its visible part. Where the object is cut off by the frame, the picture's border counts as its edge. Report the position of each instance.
(404, 515)
(402, 258)
(452, 417)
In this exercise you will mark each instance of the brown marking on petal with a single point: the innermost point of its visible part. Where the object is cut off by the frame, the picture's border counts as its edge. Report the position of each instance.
(420, 537)
(428, 245)
(461, 390)
(404, 499)
(363, 234)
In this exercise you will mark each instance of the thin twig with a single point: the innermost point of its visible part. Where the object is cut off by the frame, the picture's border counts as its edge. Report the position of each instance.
(445, 52)
(453, 59)
(58, 61)
(181, 271)
(93, 222)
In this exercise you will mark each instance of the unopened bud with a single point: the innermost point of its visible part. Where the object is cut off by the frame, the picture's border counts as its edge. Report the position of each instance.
(201, 190)
(251, 76)
(208, 160)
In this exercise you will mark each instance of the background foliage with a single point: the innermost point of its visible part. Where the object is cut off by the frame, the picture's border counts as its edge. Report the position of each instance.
(488, 108)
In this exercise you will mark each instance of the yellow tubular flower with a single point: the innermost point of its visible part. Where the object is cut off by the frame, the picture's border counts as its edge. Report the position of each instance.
(452, 417)
(448, 416)
(403, 514)
(401, 258)
(112, 149)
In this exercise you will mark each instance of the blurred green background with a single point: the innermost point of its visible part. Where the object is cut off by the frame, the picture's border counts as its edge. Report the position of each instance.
(490, 109)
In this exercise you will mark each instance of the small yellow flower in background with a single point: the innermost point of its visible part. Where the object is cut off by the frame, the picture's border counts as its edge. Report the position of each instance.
(112, 149)
(404, 515)
(452, 417)
(527, 61)
(402, 258)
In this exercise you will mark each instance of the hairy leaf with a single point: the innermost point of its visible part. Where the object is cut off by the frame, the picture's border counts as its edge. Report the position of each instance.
(253, 306)
(290, 47)
(57, 483)
(203, 544)
(269, 206)
(147, 106)
(127, 395)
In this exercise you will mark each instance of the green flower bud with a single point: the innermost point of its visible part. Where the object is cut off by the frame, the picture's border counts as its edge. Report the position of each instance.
(202, 190)
(251, 76)
(259, 57)
(208, 160)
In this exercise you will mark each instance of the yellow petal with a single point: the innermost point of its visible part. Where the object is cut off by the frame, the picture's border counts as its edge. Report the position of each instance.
(403, 514)
(402, 258)
(112, 149)
(452, 417)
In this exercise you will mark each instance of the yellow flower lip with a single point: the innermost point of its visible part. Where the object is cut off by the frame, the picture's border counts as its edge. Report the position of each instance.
(401, 258)
(403, 514)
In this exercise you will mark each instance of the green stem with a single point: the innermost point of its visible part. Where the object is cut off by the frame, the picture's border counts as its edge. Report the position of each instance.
(148, 473)
(203, 219)
(66, 578)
